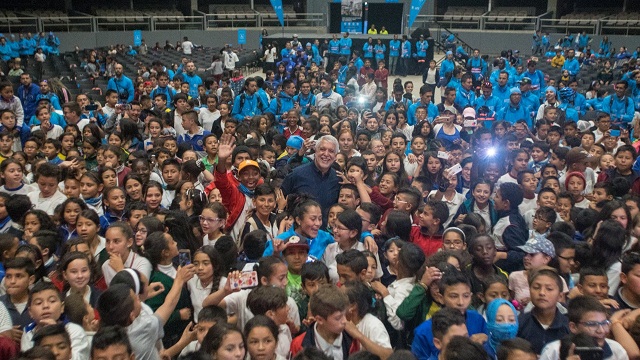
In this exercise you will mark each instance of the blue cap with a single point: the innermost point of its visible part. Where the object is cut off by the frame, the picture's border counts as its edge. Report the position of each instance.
(308, 44)
(295, 142)
(551, 88)
(515, 90)
(449, 52)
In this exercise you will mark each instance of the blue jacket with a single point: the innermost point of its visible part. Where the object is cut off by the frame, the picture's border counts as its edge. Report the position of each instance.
(572, 65)
(334, 47)
(281, 105)
(406, 49)
(25, 132)
(345, 46)
(121, 85)
(579, 104)
(305, 103)
(17, 318)
(380, 50)
(531, 100)
(194, 81)
(465, 98)
(512, 114)
(394, 48)
(502, 93)
(446, 68)
(196, 140)
(107, 219)
(367, 50)
(27, 46)
(390, 103)
(316, 246)
(621, 110)
(53, 98)
(583, 41)
(514, 235)
(432, 112)
(253, 105)
(422, 346)
(421, 47)
(478, 67)
(168, 91)
(28, 99)
(358, 63)
(595, 104)
(529, 328)
(493, 103)
(537, 81)
(5, 52)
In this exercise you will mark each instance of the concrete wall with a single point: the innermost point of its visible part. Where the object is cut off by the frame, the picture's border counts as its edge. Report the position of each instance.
(209, 38)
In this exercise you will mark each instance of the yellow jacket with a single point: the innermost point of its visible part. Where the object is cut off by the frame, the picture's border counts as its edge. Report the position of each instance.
(557, 61)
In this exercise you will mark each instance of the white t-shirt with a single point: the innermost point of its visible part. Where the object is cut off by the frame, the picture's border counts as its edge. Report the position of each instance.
(552, 351)
(329, 258)
(270, 55)
(144, 333)
(51, 134)
(453, 204)
(80, 347)
(528, 204)
(49, 204)
(373, 329)
(206, 118)
(198, 293)
(398, 291)
(230, 59)
(237, 304)
(187, 46)
(134, 261)
(22, 190)
(5, 318)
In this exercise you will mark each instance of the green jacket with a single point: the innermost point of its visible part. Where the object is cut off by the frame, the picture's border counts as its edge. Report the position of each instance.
(415, 309)
(175, 326)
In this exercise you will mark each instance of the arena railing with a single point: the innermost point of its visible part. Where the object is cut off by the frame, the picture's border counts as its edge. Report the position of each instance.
(160, 22)
(17, 24)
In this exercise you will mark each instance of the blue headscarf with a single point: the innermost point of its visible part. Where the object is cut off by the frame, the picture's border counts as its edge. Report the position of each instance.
(503, 331)
(551, 88)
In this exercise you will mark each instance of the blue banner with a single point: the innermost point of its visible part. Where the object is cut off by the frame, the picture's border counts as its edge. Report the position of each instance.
(277, 7)
(416, 6)
(242, 36)
(137, 37)
(353, 27)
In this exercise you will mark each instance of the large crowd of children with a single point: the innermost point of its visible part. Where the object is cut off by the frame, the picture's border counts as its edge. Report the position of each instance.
(305, 215)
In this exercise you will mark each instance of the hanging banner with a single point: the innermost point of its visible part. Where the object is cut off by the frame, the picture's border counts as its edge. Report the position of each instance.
(137, 37)
(351, 11)
(416, 6)
(242, 36)
(277, 7)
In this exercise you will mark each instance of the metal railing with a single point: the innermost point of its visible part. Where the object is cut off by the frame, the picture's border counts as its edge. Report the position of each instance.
(66, 23)
(232, 20)
(569, 25)
(294, 19)
(15, 24)
(608, 25)
(117, 22)
(177, 22)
